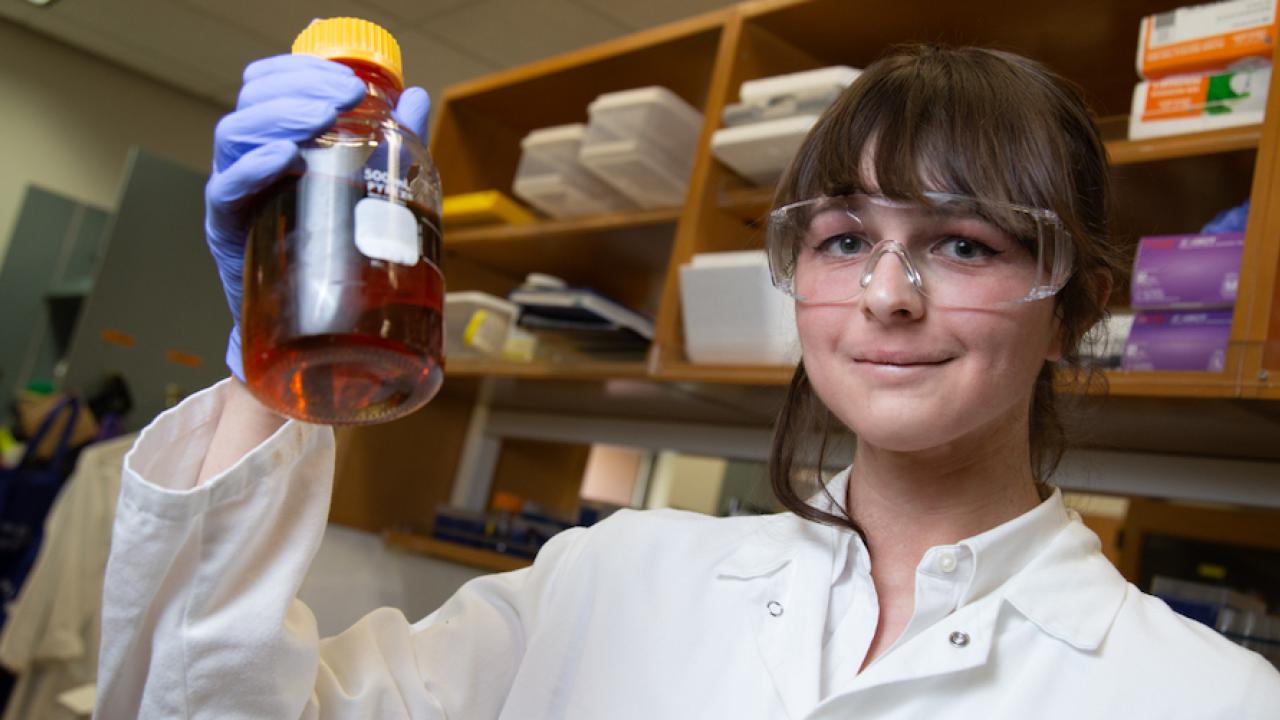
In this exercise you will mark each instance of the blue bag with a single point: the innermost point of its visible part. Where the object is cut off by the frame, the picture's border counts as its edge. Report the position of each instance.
(27, 493)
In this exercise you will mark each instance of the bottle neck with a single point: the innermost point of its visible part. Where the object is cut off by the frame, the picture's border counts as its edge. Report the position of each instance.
(384, 90)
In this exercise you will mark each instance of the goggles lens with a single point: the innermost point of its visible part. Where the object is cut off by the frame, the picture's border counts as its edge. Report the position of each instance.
(957, 250)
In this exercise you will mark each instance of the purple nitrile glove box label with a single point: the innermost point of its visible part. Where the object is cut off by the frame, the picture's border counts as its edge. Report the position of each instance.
(1187, 271)
(1178, 341)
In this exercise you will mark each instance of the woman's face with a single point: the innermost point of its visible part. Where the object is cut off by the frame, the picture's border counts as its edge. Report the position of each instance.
(907, 376)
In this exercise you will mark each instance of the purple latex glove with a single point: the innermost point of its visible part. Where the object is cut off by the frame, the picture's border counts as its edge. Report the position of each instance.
(285, 100)
(1230, 220)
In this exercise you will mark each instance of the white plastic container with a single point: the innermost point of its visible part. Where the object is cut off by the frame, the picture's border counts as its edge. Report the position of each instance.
(642, 142)
(733, 315)
(477, 324)
(799, 86)
(551, 179)
(764, 131)
(760, 151)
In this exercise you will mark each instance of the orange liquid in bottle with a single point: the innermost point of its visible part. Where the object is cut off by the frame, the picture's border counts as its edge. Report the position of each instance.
(329, 335)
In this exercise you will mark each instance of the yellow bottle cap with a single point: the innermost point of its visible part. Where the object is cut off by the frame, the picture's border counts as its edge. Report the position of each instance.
(346, 38)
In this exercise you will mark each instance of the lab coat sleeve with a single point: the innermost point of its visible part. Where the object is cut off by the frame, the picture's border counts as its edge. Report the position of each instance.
(200, 616)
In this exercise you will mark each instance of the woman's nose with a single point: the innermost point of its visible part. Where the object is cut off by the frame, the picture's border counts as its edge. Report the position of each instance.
(888, 293)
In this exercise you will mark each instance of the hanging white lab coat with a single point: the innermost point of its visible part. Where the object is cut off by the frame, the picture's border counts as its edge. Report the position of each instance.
(647, 615)
(51, 638)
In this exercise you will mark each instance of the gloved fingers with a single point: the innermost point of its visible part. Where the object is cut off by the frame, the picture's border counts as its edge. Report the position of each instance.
(343, 91)
(413, 109)
(235, 362)
(293, 63)
(283, 119)
(227, 191)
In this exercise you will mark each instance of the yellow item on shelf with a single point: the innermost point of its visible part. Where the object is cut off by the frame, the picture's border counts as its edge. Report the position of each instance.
(486, 207)
(347, 38)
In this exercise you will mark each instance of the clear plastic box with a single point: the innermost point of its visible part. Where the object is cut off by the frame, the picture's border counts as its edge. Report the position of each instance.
(550, 178)
(642, 142)
(477, 324)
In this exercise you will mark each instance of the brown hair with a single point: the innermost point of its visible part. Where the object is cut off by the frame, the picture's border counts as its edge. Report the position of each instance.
(964, 120)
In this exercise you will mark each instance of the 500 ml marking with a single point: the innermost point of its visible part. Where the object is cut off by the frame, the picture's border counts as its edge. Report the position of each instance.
(378, 182)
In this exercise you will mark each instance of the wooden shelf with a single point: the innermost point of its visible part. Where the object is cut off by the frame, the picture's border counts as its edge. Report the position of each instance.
(453, 552)
(747, 204)
(1118, 382)
(732, 374)
(1167, 383)
(563, 228)
(548, 371)
(1128, 152)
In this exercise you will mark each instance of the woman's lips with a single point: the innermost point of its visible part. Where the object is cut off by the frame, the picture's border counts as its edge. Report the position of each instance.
(902, 359)
(898, 369)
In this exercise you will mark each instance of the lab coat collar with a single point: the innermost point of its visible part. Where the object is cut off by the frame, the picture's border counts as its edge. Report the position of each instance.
(1056, 577)
(782, 536)
(1001, 552)
(1070, 590)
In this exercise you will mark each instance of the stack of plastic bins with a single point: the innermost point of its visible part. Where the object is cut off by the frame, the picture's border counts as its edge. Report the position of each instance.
(642, 142)
(550, 178)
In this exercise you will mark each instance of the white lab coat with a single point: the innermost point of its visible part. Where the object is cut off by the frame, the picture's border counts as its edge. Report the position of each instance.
(51, 638)
(647, 615)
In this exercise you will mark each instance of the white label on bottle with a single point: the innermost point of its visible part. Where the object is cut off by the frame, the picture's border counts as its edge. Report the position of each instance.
(387, 231)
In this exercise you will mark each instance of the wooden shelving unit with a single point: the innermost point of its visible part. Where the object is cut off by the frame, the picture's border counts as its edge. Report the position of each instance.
(1163, 185)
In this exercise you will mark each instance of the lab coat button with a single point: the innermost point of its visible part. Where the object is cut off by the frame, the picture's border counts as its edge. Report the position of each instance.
(959, 639)
(775, 608)
(947, 562)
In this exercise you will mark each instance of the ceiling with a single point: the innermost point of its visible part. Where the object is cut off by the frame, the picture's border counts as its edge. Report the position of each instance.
(201, 46)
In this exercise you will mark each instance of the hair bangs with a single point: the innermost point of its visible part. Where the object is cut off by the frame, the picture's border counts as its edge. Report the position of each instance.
(962, 123)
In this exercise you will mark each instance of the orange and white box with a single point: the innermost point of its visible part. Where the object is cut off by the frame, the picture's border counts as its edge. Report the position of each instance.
(1194, 103)
(1205, 38)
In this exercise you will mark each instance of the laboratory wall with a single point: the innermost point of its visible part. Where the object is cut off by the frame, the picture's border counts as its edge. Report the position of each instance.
(70, 118)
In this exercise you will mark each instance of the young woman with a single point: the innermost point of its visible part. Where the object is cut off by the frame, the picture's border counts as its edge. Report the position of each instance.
(944, 231)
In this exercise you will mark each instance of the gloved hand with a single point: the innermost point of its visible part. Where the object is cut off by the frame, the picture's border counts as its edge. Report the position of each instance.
(285, 100)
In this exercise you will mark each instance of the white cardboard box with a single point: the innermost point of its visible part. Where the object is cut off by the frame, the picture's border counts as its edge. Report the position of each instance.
(1195, 103)
(733, 315)
(1205, 38)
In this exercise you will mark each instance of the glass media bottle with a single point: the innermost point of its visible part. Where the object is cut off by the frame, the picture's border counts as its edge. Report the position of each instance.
(343, 292)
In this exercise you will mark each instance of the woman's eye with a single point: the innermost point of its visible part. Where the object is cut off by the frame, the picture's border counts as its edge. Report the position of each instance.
(963, 248)
(844, 244)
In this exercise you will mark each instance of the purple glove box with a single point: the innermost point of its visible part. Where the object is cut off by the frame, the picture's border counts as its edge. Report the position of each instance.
(1178, 341)
(1187, 271)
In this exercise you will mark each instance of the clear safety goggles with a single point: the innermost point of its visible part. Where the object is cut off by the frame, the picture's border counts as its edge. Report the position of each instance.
(957, 250)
